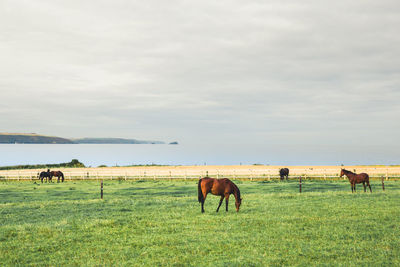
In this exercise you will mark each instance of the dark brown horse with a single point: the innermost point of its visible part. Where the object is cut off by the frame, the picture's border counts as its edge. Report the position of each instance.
(219, 187)
(57, 174)
(356, 179)
(284, 172)
(44, 175)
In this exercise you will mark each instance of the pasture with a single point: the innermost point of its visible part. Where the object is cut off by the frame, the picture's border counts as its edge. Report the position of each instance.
(159, 223)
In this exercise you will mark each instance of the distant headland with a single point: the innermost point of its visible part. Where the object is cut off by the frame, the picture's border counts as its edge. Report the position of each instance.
(33, 138)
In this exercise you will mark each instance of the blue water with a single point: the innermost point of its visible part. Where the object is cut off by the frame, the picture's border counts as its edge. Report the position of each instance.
(195, 154)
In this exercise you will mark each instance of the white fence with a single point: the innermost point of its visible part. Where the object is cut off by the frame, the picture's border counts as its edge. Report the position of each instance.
(195, 172)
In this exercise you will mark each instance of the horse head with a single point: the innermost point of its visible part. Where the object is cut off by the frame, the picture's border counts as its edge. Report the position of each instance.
(238, 203)
(341, 172)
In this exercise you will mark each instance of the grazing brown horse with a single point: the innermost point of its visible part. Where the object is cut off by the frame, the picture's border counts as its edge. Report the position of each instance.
(219, 187)
(356, 179)
(57, 174)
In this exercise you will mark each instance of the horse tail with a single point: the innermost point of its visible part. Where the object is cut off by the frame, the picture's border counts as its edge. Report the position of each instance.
(62, 177)
(199, 192)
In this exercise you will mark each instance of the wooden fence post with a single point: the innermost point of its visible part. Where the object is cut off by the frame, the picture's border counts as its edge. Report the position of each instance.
(300, 183)
(101, 189)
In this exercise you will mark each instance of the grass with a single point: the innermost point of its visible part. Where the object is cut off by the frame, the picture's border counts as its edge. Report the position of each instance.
(159, 223)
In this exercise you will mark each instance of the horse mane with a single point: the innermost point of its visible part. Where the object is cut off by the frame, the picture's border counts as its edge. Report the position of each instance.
(346, 171)
(236, 189)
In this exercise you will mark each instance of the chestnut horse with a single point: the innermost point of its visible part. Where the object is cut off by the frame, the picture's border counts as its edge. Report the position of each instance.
(356, 179)
(219, 187)
(57, 174)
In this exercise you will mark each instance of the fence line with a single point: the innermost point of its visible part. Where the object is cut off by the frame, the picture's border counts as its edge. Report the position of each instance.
(172, 173)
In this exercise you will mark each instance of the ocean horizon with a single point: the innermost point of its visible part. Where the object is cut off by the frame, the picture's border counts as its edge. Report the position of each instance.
(94, 155)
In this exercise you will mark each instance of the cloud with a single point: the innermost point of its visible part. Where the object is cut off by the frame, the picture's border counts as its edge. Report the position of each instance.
(297, 72)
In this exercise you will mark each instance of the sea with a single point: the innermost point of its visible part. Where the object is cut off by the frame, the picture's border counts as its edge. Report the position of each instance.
(94, 155)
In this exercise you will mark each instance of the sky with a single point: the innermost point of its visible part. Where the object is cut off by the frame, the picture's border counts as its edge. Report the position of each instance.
(301, 73)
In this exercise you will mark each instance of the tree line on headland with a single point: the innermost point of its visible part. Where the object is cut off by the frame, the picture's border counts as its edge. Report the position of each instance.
(73, 164)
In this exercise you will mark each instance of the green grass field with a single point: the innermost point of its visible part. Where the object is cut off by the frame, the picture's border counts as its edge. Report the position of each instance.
(159, 223)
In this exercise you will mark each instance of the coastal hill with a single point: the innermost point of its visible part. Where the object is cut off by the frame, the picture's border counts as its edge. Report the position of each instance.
(33, 138)
(113, 141)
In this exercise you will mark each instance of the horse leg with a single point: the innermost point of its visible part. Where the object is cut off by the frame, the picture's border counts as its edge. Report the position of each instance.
(204, 200)
(220, 202)
(226, 201)
(369, 186)
(365, 188)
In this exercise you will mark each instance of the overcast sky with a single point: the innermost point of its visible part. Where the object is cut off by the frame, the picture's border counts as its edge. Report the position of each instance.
(279, 72)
